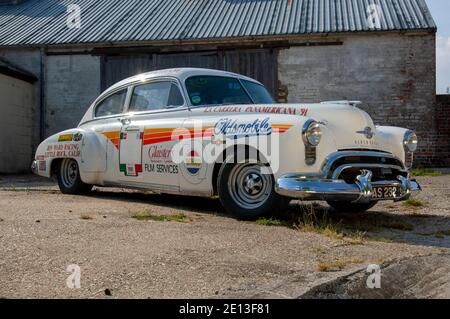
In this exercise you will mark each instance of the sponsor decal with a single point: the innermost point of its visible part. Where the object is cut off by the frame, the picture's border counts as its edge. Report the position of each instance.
(158, 154)
(42, 165)
(288, 110)
(161, 168)
(77, 137)
(193, 162)
(63, 150)
(40, 157)
(228, 126)
(65, 138)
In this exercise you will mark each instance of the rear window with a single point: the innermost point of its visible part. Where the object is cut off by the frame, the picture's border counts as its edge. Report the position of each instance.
(155, 96)
(111, 105)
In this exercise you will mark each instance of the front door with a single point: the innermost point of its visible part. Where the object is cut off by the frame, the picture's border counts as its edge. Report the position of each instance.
(130, 151)
(156, 110)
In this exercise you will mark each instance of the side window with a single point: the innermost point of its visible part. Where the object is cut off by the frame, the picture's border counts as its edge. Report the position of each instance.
(112, 105)
(155, 96)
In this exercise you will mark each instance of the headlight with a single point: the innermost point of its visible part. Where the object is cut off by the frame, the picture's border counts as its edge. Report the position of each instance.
(312, 133)
(410, 141)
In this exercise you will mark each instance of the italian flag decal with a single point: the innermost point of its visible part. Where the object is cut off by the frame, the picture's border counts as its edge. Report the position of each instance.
(130, 152)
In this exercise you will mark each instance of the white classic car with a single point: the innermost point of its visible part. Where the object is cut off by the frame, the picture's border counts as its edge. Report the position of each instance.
(213, 133)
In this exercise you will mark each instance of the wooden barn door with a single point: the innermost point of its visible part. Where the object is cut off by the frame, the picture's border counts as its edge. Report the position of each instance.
(258, 64)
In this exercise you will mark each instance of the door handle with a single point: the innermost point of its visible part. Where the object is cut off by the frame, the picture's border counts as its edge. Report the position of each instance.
(125, 121)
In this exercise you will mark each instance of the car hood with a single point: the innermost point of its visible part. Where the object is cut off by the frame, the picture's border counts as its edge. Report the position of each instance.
(349, 126)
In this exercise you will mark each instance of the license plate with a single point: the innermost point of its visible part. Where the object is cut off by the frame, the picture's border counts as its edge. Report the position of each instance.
(387, 192)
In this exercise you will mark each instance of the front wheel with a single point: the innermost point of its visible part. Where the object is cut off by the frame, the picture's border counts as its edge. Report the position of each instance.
(69, 179)
(348, 207)
(247, 192)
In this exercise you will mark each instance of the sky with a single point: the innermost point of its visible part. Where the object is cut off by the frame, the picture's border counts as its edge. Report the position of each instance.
(440, 9)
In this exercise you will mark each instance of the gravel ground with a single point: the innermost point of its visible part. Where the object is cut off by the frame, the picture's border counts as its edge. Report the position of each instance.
(42, 232)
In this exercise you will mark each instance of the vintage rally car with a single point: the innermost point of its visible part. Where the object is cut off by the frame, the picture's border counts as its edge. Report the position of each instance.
(204, 132)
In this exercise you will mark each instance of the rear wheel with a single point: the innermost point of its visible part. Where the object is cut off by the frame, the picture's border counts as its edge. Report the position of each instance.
(348, 207)
(69, 179)
(246, 192)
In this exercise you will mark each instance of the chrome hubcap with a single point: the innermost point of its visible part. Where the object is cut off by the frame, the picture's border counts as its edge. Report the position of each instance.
(253, 184)
(69, 172)
(248, 187)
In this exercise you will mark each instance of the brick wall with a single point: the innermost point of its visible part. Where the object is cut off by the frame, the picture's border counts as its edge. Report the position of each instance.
(393, 74)
(438, 152)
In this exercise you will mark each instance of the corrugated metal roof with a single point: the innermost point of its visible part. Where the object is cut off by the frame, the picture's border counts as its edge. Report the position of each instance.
(43, 22)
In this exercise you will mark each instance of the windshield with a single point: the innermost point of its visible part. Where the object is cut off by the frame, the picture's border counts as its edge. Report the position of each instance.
(258, 92)
(218, 90)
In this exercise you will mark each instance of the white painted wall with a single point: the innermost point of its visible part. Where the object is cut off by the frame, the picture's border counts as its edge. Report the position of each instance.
(16, 125)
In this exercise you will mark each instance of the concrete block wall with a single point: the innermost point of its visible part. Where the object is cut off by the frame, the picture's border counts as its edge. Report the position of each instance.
(393, 74)
(72, 84)
(29, 60)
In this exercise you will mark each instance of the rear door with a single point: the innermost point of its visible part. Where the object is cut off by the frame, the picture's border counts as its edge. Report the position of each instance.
(99, 151)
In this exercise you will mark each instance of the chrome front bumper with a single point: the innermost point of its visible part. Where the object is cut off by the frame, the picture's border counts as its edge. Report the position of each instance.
(310, 188)
(34, 167)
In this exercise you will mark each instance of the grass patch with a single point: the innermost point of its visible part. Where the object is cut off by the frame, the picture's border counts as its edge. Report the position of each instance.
(438, 234)
(426, 172)
(273, 222)
(320, 250)
(86, 217)
(148, 215)
(382, 240)
(413, 202)
(337, 265)
(10, 188)
(444, 232)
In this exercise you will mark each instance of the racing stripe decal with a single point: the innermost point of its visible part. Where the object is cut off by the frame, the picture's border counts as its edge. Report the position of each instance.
(160, 135)
(114, 137)
(281, 128)
(166, 134)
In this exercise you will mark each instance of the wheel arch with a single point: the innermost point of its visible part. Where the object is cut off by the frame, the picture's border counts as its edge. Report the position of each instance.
(233, 152)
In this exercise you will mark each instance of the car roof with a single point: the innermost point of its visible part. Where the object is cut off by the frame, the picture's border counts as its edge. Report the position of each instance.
(180, 73)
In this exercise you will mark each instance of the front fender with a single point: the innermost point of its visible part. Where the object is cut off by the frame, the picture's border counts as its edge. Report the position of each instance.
(392, 139)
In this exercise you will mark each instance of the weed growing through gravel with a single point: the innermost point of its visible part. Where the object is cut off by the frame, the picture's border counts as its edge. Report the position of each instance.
(413, 202)
(272, 222)
(350, 228)
(426, 172)
(312, 221)
(148, 215)
(337, 264)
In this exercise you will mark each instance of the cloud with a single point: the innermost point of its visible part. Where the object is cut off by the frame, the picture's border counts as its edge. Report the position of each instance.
(443, 63)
